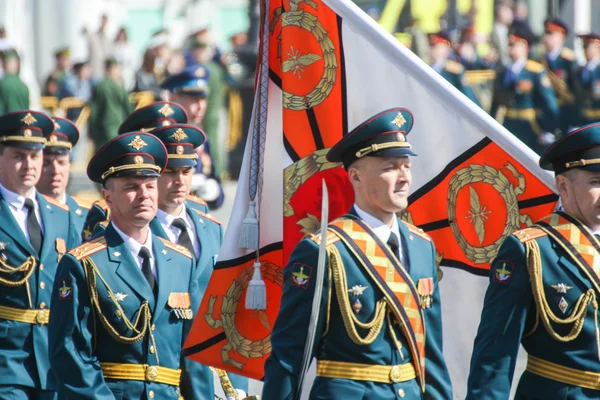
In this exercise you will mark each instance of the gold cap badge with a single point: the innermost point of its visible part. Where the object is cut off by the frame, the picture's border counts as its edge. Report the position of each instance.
(28, 119)
(138, 143)
(179, 135)
(166, 110)
(399, 121)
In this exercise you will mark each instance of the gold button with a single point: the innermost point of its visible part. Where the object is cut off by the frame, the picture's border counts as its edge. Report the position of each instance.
(152, 349)
(151, 394)
(401, 392)
(42, 285)
(42, 305)
(41, 267)
(40, 318)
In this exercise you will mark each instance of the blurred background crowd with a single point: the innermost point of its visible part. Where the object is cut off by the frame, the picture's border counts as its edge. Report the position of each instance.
(83, 53)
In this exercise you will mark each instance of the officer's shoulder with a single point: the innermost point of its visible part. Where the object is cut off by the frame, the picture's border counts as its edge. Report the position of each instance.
(176, 247)
(195, 199)
(567, 54)
(529, 233)
(417, 231)
(331, 237)
(88, 248)
(56, 203)
(101, 204)
(534, 66)
(206, 216)
(82, 202)
(454, 67)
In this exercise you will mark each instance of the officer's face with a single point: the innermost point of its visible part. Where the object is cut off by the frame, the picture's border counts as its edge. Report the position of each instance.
(553, 40)
(20, 169)
(580, 195)
(173, 186)
(592, 50)
(381, 184)
(132, 200)
(55, 174)
(194, 105)
(439, 52)
(517, 51)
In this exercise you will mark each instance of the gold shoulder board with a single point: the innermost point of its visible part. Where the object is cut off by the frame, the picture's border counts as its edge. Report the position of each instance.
(331, 238)
(89, 248)
(534, 66)
(56, 203)
(102, 204)
(207, 216)
(195, 199)
(178, 248)
(454, 67)
(567, 54)
(82, 202)
(418, 231)
(527, 234)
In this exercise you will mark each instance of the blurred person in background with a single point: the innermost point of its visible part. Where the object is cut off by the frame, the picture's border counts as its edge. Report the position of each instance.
(159, 44)
(78, 83)
(504, 19)
(202, 53)
(99, 48)
(14, 94)
(588, 81)
(466, 51)
(145, 77)
(439, 54)
(124, 54)
(562, 70)
(176, 63)
(109, 105)
(62, 67)
(524, 101)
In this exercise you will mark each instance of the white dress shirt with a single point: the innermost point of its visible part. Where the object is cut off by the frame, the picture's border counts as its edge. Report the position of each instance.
(553, 55)
(134, 248)
(592, 64)
(517, 67)
(16, 204)
(166, 221)
(382, 231)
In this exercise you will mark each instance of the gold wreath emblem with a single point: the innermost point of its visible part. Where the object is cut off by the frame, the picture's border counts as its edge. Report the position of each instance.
(235, 340)
(477, 214)
(296, 62)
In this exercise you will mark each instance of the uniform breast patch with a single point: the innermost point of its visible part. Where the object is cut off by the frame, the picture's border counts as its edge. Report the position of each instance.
(301, 275)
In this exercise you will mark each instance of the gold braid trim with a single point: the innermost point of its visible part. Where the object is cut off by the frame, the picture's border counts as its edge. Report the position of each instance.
(226, 384)
(144, 316)
(577, 317)
(27, 267)
(350, 320)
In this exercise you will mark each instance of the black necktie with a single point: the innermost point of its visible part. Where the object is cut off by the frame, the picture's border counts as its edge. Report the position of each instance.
(33, 227)
(184, 236)
(394, 244)
(147, 268)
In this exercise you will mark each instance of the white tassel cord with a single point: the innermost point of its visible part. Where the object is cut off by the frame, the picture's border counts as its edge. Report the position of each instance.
(256, 296)
(249, 234)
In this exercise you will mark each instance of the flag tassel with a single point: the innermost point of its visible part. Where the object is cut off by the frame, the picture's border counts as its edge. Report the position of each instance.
(249, 235)
(256, 296)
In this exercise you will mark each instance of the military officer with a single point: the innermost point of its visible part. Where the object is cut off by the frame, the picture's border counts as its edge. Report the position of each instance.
(124, 300)
(561, 67)
(160, 113)
(56, 169)
(179, 219)
(588, 81)
(519, 90)
(544, 288)
(190, 89)
(440, 48)
(14, 93)
(35, 232)
(378, 270)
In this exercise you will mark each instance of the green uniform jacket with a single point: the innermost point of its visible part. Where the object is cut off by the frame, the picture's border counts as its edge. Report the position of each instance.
(332, 342)
(588, 95)
(454, 73)
(79, 342)
(508, 320)
(109, 107)
(14, 94)
(529, 91)
(24, 346)
(563, 74)
(79, 210)
(212, 119)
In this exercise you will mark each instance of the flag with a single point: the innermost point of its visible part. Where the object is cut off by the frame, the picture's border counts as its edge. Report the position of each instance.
(330, 68)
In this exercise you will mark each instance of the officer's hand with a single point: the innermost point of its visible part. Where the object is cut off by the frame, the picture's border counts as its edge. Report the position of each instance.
(547, 138)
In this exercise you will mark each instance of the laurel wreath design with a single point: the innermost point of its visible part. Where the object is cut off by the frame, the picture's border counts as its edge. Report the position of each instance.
(310, 23)
(484, 173)
(236, 341)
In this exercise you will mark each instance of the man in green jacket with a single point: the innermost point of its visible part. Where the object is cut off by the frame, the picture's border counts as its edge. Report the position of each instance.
(14, 94)
(109, 105)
